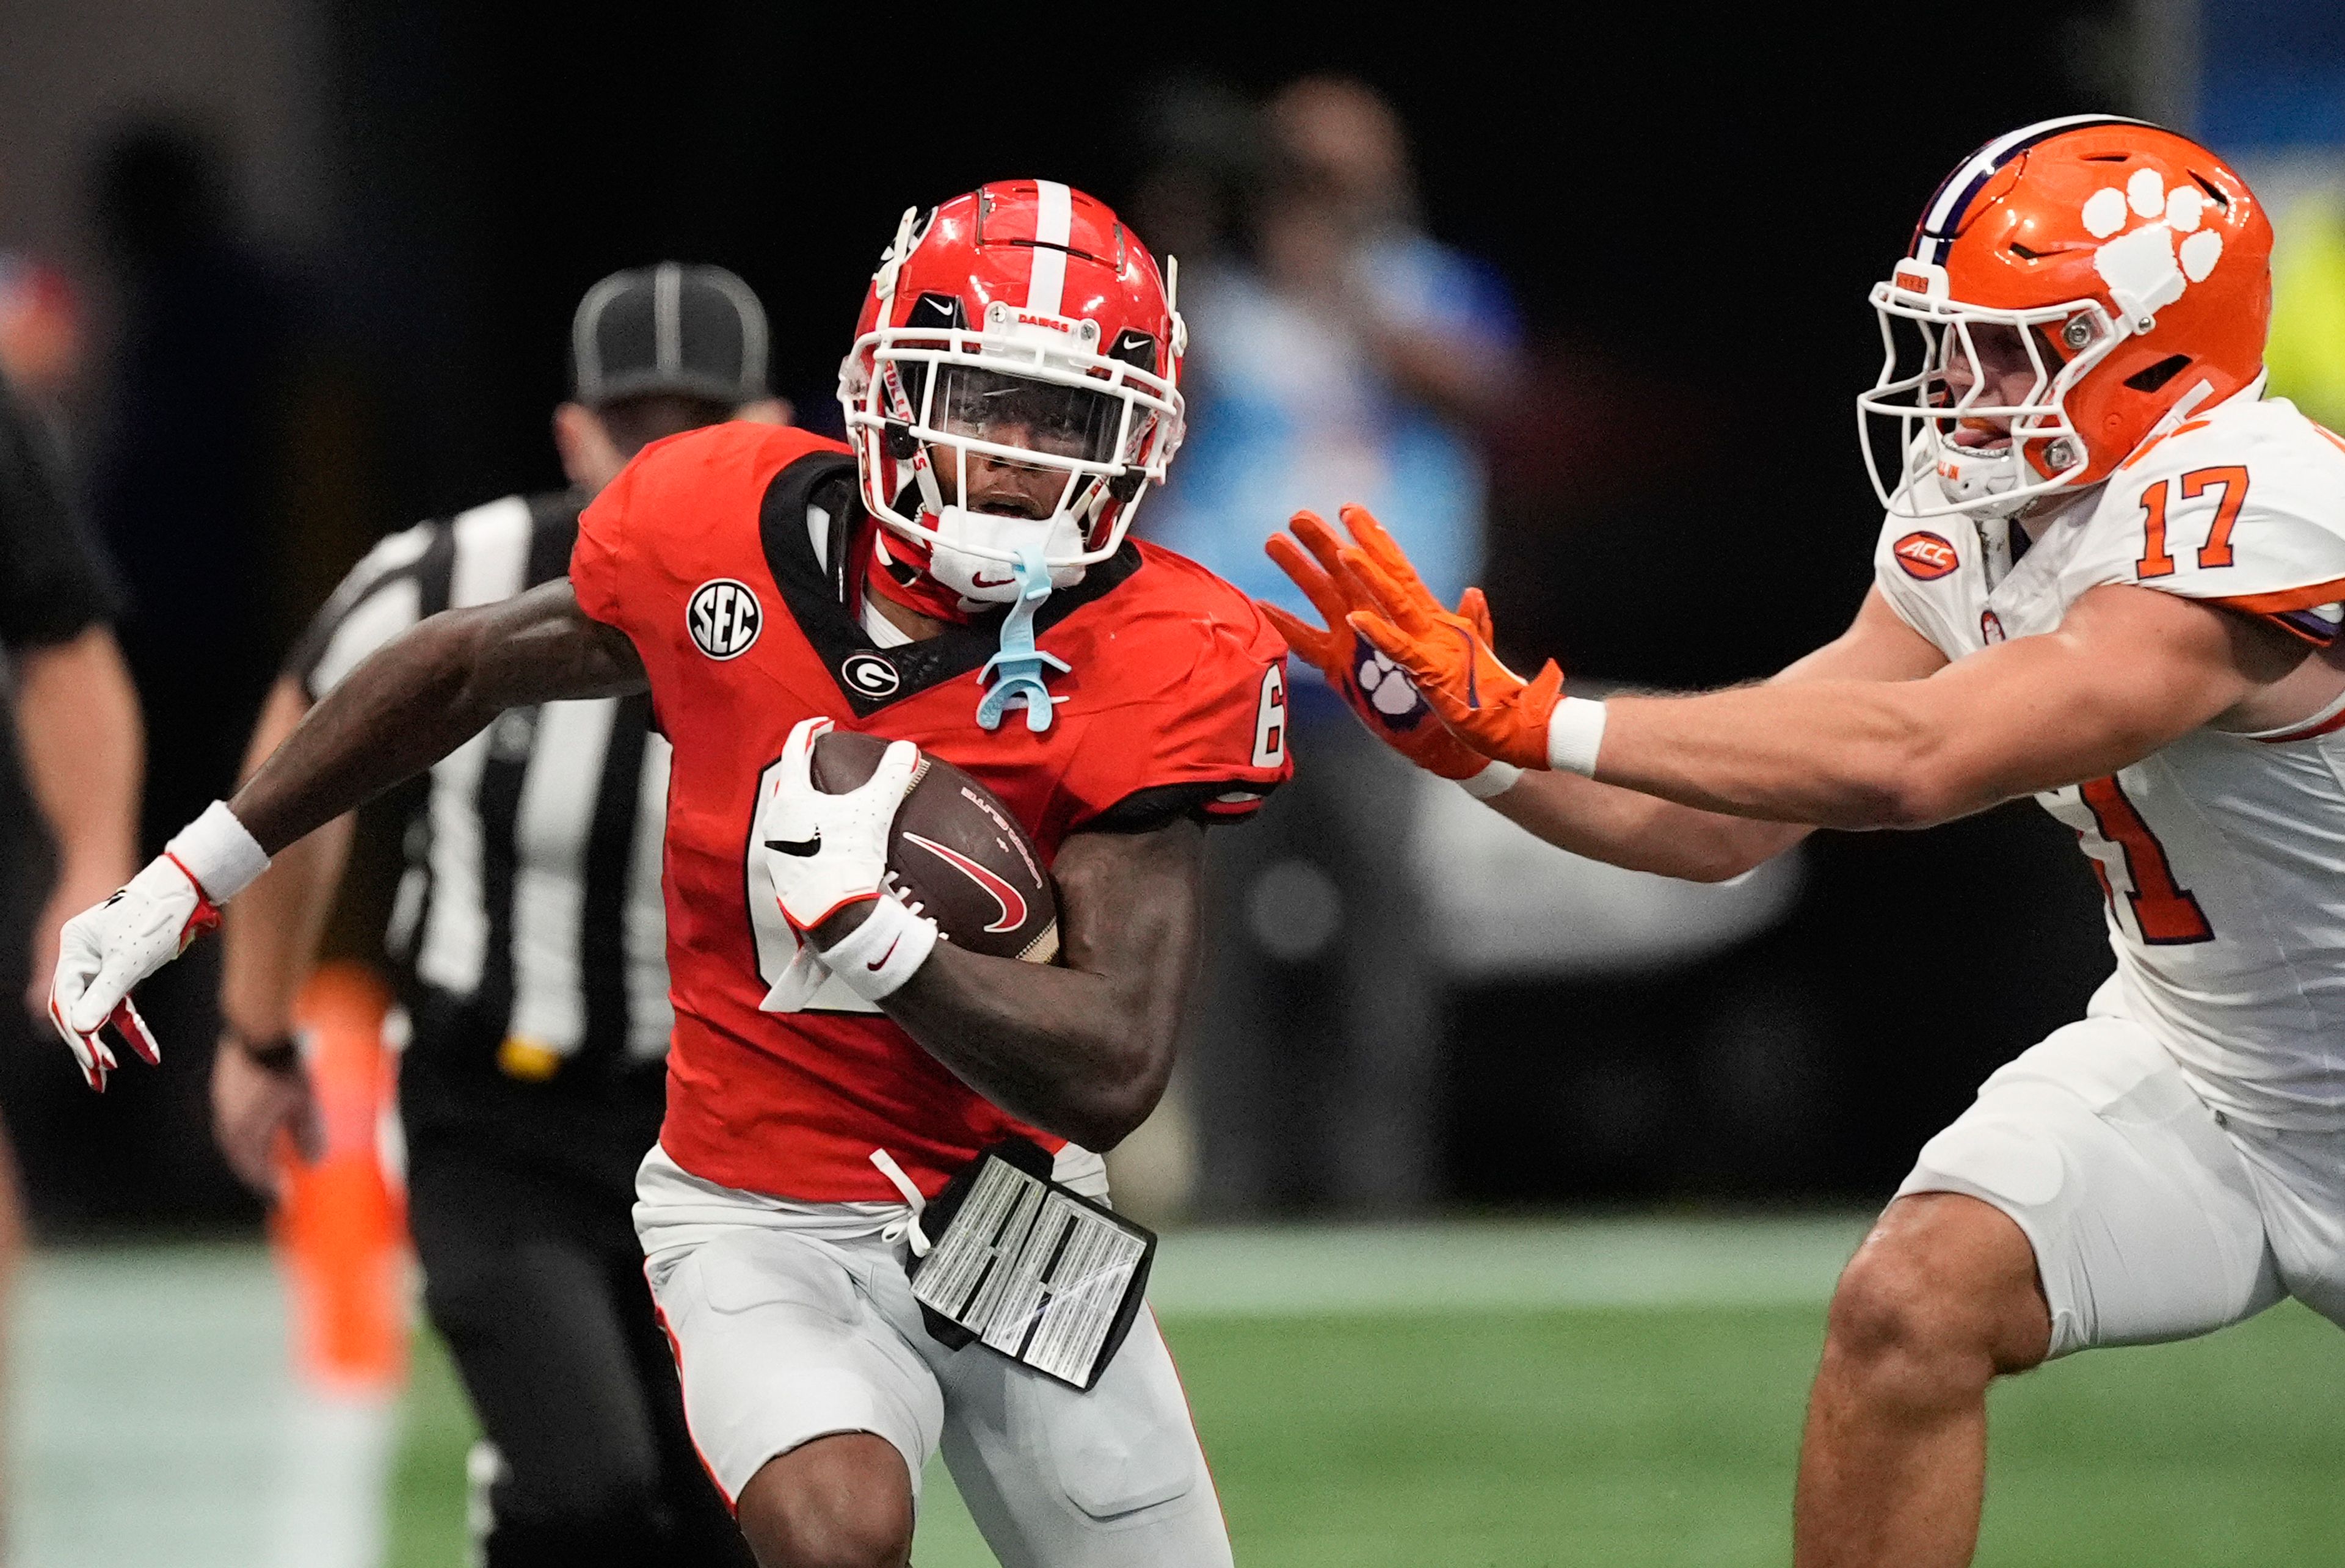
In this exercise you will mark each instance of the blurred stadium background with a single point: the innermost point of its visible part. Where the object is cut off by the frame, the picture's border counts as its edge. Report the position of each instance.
(289, 273)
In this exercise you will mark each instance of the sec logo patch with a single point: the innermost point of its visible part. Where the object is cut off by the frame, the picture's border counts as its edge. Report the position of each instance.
(870, 675)
(723, 618)
(1925, 555)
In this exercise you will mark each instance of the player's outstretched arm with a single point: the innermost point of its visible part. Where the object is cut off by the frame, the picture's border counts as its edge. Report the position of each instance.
(425, 693)
(2129, 670)
(1370, 579)
(1081, 1049)
(1641, 832)
(412, 702)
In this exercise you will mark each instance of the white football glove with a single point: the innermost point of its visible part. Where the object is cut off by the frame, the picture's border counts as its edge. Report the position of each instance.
(822, 852)
(107, 949)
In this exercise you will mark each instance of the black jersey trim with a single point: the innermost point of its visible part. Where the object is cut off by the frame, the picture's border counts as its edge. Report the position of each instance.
(816, 590)
(1146, 810)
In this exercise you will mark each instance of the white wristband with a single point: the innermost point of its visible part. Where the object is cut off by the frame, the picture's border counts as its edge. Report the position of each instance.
(219, 852)
(876, 957)
(1574, 732)
(1495, 780)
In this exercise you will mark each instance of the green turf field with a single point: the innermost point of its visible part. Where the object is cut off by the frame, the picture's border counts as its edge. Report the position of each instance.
(1629, 1396)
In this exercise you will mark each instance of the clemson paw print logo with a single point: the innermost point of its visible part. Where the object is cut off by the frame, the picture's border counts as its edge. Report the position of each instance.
(2148, 267)
(1386, 686)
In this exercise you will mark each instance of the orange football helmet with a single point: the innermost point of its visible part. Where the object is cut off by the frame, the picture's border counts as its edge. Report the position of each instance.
(2123, 271)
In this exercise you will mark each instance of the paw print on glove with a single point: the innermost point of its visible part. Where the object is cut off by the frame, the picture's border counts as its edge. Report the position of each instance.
(1387, 687)
(2149, 268)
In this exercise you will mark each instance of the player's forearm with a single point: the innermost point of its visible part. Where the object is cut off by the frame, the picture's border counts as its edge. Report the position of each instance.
(2125, 674)
(1081, 1047)
(1639, 832)
(270, 933)
(1827, 753)
(1067, 1051)
(422, 695)
(85, 753)
(411, 703)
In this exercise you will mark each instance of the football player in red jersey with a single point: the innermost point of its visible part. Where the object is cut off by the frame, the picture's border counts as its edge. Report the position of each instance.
(956, 579)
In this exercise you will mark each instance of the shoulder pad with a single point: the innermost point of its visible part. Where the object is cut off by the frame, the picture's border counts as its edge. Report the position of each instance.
(1928, 570)
(1190, 592)
(2245, 507)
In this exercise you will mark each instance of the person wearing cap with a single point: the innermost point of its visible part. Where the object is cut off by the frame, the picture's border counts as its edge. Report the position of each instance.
(529, 940)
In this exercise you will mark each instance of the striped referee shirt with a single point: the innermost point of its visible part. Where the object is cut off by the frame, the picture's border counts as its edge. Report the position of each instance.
(529, 921)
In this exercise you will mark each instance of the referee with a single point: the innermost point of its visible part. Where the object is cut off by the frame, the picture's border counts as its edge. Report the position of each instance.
(530, 939)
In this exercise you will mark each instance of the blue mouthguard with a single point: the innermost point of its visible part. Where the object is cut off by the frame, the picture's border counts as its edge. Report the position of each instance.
(1019, 667)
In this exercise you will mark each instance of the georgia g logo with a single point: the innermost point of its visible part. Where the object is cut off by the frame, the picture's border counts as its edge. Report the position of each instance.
(723, 618)
(870, 675)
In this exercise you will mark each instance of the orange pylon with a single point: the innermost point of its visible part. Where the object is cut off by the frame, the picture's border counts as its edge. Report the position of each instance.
(341, 1223)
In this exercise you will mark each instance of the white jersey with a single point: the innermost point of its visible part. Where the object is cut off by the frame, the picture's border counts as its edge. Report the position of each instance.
(2222, 854)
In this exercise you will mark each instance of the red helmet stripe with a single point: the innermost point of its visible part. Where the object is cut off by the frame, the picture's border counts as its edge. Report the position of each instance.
(1054, 227)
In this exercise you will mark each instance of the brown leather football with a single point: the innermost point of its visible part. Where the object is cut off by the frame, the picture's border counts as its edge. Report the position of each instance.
(955, 854)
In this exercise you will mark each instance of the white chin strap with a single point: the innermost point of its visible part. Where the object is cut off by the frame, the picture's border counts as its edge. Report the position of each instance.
(986, 579)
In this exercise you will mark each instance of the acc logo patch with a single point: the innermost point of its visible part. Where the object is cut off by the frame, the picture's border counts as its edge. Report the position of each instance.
(1925, 555)
(723, 618)
(869, 675)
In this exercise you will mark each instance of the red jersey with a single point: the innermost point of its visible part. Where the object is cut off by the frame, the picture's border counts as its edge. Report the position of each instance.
(725, 556)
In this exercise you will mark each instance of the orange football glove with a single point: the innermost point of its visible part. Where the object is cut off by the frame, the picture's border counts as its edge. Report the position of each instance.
(1448, 654)
(1379, 692)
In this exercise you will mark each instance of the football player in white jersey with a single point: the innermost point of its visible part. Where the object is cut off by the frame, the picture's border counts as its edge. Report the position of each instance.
(2110, 578)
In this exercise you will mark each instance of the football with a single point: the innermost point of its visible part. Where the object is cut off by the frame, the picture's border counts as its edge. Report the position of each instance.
(955, 854)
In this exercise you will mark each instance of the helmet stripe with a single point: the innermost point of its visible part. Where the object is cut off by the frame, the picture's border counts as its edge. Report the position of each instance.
(1054, 224)
(667, 317)
(1934, 237)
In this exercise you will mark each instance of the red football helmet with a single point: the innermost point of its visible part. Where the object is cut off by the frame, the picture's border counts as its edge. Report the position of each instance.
(1025, 324)
(2122, 272)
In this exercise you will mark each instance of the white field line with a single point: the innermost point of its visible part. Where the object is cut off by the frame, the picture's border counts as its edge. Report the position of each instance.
(149, 1397)
(1502, 1266)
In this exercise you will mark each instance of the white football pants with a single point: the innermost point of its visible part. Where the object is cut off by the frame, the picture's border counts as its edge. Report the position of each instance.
(2153, 1217)
(795, 1320)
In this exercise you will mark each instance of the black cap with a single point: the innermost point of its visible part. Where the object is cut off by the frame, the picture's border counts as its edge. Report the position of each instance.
(678, 327)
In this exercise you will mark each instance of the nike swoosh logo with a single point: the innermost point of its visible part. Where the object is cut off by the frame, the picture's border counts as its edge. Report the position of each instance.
(980, 581)
(800, 847)
(875, 965)
(1012, 902)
